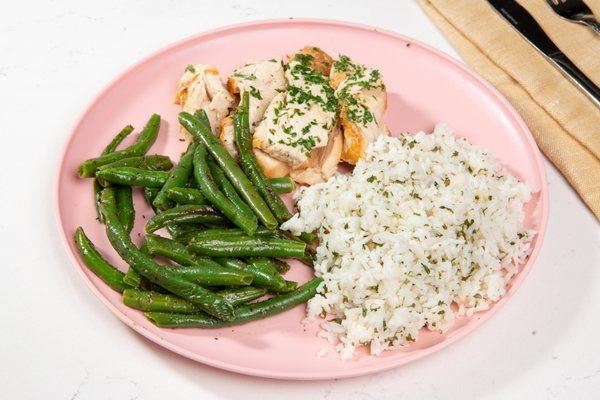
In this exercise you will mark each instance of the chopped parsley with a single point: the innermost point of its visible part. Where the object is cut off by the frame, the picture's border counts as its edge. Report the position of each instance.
(248, 77)
(426, 268)
(304, 59)
(357, 77)
(190, 68)
(254, 92)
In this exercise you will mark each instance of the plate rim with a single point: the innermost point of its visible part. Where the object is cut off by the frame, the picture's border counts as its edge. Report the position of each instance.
(509, 111)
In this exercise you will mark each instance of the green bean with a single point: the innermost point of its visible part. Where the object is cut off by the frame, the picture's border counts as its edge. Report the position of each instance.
(242, 295)
(124, 162)
(307, 237)
(210, 234)
(154, 162)
(181, 195)
(154, 301)
(263, 264)
(260, 278)
(129, 176)
(248, 247)
(208, 275)
(212, 193)
(186, 214)
(112, 146)
(244, 314)
(261, 232)
(227, 188)
(243, 141)
(144, 141)
(161, 246)
(307, 259)
(98, 265)
(201, 116)
(178, 177)
(271, 264)
(135, 280)
(199, 269)
(158, 302)
(117, 140)
(180, 232)
(282, 185)
(132, 278)
(125, 209)
(208, 301)
(150, 195)
(97, 189)
(229, 166)
(217, 233)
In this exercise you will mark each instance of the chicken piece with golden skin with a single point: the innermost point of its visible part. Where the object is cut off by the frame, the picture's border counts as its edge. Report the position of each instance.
(201, 87)
(299, 120)
(307, 73)
(319, 60)
(227, 135)
(363, 99)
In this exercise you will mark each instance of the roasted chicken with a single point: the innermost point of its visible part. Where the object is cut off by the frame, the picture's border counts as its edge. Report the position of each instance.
(263, 80)
(201, 87)
(362, 98)
(299, 121)
(306, 111)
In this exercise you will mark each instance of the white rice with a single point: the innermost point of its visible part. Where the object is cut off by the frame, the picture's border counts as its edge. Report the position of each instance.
(425, 229)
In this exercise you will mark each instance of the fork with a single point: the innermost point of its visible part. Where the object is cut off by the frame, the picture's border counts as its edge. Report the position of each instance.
(575, 11)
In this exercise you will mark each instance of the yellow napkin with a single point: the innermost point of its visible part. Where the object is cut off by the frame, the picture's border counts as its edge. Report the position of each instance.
(563, 121)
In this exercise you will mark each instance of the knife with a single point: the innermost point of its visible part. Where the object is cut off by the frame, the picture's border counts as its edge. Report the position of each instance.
(527, 26)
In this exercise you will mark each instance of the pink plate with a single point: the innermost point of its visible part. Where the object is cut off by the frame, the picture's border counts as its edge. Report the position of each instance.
(425, 86)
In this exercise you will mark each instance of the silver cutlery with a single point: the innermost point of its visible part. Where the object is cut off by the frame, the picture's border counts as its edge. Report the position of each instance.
(575, 11)
(526, 25)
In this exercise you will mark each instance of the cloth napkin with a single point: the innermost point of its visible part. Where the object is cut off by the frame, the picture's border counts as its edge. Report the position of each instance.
(563, 121)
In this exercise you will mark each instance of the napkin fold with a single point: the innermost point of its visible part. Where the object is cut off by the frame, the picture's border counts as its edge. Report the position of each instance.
(563, 121)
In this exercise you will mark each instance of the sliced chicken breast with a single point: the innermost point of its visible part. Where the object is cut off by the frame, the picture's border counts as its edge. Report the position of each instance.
(323, 161)
(227, 135)
(317, 59)
(272, 167)
(363, 99)
(299, 120)
(262, 80)
(201, 87)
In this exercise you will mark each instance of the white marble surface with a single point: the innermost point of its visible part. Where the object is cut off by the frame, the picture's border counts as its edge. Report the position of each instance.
(57, 341)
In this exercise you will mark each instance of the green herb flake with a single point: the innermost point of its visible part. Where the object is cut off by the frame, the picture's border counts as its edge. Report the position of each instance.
(248, 77)
(254, 92)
